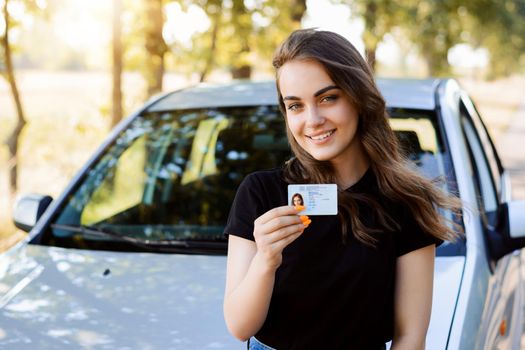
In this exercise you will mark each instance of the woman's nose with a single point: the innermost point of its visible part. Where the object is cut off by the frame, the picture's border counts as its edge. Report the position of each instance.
(314, 118)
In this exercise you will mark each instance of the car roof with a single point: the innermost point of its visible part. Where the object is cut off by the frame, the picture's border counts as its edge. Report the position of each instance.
(398, 93)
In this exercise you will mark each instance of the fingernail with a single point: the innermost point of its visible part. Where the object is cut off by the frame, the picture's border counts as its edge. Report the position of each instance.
(300, 207)
(304, 218)
(308, 222)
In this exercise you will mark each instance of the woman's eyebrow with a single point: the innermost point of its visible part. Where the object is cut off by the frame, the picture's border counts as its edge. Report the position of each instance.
(291, 98)
(325, 89)
(320, 92)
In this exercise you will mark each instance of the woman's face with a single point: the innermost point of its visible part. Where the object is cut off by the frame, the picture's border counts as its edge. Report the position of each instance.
(319, 114)
(297, 200)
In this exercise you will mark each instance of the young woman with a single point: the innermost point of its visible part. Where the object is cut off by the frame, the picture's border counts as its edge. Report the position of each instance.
(297, 200)
(350, 281)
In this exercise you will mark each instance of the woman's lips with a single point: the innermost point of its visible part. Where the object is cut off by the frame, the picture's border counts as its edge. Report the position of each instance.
(322, 137)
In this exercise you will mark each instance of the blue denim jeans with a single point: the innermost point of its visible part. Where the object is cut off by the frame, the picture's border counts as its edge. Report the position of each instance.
(254, 344)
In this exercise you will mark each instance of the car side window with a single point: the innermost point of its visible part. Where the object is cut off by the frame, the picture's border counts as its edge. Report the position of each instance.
(419, 142)
(492, 158)
(482, 172)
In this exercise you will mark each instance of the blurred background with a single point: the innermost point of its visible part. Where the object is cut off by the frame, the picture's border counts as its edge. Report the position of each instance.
(71, 69)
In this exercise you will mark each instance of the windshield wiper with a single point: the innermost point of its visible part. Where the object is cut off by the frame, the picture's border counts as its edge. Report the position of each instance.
(151, 245)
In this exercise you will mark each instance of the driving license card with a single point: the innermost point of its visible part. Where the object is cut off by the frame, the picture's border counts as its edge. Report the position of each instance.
(319, 199)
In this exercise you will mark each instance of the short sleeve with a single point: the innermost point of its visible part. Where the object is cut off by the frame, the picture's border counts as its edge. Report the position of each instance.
(412, 237)
(247, 206)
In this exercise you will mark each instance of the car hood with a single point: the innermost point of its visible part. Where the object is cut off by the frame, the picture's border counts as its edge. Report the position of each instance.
(65, 298)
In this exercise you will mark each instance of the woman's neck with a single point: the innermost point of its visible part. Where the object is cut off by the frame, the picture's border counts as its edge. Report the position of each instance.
(349, 171)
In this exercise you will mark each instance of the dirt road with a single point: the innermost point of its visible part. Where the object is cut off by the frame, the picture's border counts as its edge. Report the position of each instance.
(511, 146)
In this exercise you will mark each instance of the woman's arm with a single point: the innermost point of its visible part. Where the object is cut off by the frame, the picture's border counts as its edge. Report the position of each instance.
(413, 298)
(249, 286)
(251, 267)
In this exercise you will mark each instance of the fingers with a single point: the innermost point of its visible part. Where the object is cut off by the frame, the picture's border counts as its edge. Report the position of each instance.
(276, 241)
(283, 243)
(280, 217)
(279, 211)
(297, 225)
(283, 226)
(276, 229)
(280, 222)
(285, 232)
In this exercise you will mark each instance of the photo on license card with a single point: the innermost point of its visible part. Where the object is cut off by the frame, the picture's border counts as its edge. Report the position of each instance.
(319, 199)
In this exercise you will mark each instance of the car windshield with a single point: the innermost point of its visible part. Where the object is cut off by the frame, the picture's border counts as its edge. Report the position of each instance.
(172, 176)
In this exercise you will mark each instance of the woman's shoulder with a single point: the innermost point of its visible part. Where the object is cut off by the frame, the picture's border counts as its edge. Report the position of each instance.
(266, 183)
(264, 176)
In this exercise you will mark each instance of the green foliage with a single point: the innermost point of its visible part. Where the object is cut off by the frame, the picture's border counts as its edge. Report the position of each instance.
(379, 17)
(434, 26)
(246, 36)
(140, 50)
(246, 33)
(234, 46)
(30, 9)
(281, 19)
(499, 26)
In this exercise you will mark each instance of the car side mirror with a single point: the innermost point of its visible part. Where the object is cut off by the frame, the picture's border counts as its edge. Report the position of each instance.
(516, 214)
(509, 235)
(29, 209)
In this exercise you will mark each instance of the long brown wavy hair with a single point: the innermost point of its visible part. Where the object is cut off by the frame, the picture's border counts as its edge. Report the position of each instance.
(397, 180)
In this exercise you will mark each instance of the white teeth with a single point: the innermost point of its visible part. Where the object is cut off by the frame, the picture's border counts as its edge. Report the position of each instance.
(322, 136)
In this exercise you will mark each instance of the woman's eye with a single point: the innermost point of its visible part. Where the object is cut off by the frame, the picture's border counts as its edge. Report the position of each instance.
(329, 98)
(293, 107)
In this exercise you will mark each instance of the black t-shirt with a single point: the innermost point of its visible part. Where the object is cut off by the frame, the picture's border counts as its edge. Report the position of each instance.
(327, 294)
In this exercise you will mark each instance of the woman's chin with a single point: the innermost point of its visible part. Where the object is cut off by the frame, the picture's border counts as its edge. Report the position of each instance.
(321, 157)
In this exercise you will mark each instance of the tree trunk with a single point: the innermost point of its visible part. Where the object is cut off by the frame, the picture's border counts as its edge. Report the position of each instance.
(216, 20)
(155, 46)
(12, 141)
(298, 11)
(436, 62)
(241, 69)
(116, 110)
(370, 54)
(242, 72)
(370, 35)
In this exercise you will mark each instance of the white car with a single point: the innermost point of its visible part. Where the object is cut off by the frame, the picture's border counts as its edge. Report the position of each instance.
(132, 254)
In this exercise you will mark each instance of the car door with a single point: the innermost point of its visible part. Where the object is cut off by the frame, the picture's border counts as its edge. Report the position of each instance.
(501, 321)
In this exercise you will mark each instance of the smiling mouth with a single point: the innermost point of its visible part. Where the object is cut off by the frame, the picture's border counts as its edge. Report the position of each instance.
(322, 136)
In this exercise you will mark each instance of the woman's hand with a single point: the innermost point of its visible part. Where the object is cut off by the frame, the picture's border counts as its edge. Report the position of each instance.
(276, 229)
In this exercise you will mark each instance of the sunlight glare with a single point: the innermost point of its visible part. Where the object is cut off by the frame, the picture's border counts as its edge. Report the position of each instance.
(260, 21)
(81, 28)
(2, 26)
(16, 10)
(324, 15)
(180, 26)
(465, 56)
(42, 4)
